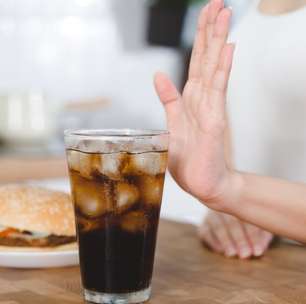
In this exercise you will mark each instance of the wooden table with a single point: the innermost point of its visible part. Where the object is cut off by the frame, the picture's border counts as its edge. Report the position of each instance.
(185, 273)
(16, 169)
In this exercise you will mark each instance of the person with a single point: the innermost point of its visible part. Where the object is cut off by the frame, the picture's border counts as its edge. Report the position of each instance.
(197, 121)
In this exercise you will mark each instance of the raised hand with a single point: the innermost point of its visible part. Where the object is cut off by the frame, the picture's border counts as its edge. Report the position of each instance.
(197, 118)
(227, 235)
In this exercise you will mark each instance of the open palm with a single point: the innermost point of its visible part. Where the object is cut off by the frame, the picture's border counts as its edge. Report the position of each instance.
(197, 118)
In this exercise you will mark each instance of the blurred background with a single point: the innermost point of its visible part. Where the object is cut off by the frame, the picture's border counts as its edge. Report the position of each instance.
(84, 64)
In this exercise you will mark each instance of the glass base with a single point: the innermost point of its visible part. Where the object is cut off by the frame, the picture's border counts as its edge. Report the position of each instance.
(117, 298)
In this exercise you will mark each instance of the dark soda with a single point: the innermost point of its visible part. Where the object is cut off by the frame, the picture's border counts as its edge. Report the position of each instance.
(117, 199)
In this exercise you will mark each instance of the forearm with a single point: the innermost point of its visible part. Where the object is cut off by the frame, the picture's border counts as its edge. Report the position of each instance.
(273, 204)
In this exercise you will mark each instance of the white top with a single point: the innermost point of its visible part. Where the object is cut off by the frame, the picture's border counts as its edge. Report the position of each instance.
(267, 94)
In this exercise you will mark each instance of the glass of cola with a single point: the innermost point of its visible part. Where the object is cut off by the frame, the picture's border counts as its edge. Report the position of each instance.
(117, 179)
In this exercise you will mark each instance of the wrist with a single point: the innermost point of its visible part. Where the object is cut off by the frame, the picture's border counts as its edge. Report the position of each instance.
(229, 197)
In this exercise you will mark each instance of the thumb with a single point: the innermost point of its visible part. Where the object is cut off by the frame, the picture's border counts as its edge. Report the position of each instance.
(168, 95)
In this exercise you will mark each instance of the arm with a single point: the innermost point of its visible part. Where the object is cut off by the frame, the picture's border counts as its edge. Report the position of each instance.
(273, 204)
(197, 123)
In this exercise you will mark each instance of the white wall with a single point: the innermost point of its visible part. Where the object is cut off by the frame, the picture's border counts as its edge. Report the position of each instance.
(87, 48)
(75, 48)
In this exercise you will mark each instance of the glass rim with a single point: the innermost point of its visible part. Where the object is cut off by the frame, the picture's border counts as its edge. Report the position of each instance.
(96, 134)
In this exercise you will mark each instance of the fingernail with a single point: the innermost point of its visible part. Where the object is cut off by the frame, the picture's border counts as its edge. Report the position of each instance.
(245, 252)
(230, 252)
(258, 251)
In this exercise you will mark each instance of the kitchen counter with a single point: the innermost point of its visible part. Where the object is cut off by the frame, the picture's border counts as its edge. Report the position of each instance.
(20, 168)
(185, 272)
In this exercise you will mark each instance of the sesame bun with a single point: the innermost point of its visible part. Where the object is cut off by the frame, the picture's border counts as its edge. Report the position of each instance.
(36, 209)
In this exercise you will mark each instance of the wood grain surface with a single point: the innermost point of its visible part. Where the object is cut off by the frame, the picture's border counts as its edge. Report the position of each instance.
(185, 272)
(17, 169)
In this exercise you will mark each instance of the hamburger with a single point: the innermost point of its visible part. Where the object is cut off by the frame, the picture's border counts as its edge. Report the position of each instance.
(35, 217)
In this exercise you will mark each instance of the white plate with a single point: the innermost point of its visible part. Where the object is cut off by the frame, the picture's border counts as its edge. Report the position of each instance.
(64, 256)
(38, 259)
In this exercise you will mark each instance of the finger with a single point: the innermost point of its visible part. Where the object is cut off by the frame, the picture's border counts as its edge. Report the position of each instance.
(220, 231)
(259, 238)
(211, 58)
(168, 95)
(238, 235)
(254, 236)
(214, 8)
(267, 238)
(222, 74)
(165, 88)
(218, 90)
(199, 45)
(209, 239)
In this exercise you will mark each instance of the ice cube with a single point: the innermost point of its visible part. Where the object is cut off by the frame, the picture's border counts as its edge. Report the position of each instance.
(135, 221)
(111, 165)
(126, 196)
(95, 163)
(88, 224)
(151, 189)
(85, 165)
(92, 198)
(73, 159)
(151, 163)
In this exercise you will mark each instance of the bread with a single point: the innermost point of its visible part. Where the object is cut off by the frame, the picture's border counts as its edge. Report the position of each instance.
(36, 210)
